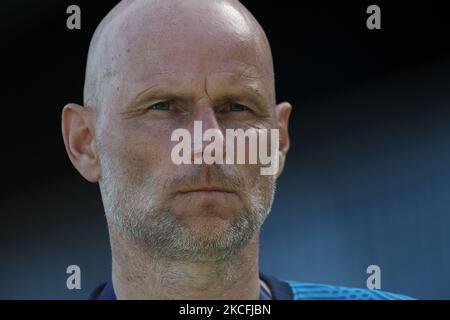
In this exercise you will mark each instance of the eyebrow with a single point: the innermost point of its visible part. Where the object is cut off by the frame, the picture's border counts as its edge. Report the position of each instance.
(246, 94)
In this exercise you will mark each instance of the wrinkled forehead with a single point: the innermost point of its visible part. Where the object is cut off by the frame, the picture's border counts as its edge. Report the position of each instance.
(184, 43)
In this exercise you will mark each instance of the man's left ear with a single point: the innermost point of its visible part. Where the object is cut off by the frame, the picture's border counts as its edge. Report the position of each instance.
(283, 111)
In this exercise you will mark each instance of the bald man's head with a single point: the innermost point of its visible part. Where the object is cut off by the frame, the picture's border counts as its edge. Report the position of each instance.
(143, 32)
(158, 66)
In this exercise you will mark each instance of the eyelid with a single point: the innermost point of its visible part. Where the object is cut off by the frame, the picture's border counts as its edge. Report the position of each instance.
(243, 106)
(174, 106)
(156, 103)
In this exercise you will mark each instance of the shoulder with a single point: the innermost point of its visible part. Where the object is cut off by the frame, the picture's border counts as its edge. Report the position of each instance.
(95, 294)
(317, 291)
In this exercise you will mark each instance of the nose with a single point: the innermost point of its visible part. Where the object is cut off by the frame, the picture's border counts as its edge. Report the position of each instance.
(207, 130)
(206, 114)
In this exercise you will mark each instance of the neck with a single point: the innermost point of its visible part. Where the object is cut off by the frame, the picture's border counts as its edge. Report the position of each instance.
(137, 273)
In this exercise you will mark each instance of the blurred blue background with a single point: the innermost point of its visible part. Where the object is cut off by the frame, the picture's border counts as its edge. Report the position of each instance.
(367, 179)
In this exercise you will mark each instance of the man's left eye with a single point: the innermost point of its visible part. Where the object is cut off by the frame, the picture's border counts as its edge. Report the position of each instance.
(236, 107)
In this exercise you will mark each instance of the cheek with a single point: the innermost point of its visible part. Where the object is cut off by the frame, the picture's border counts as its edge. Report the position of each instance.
(250, 177)
(141, 150)
(255, 183)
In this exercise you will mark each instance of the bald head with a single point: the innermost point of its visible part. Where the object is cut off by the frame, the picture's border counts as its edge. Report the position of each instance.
(158, 66)
(139, 39)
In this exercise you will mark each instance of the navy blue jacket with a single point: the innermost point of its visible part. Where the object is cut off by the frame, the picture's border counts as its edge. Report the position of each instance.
(289, 290)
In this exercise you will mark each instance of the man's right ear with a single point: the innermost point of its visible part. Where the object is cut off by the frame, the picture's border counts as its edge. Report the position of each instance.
(79, 139)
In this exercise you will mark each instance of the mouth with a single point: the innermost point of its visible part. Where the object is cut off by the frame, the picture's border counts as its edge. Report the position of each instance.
(207, 190)
(209, 200)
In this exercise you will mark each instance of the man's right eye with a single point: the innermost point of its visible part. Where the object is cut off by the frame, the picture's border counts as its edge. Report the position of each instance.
(161, 106)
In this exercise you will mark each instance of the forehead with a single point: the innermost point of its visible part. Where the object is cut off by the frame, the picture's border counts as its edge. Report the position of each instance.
(157, 47)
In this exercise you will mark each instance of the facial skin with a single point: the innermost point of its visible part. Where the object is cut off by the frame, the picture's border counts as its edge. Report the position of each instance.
(186, 231)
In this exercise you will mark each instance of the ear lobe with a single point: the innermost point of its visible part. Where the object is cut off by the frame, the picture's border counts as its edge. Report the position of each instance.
(283, 113)
(79, 139)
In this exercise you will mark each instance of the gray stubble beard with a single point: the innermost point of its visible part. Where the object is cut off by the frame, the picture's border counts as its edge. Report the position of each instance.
(134, 215)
